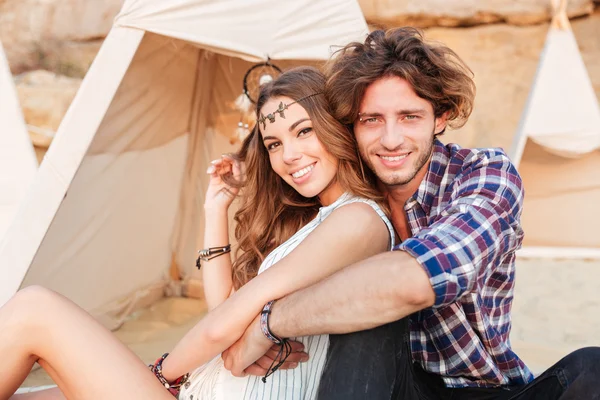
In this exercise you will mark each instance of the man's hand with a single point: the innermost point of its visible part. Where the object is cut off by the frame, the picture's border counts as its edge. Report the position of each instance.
(253, 354)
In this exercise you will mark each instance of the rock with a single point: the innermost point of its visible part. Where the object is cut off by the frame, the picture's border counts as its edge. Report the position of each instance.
(587, 32)
(45, 98)
(504, 60)
(69, 58)
(430, 13)
(28, 27)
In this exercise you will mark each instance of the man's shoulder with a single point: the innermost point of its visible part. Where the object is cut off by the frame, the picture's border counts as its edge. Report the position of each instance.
(458, 170)
(459, 159)
(469, 155)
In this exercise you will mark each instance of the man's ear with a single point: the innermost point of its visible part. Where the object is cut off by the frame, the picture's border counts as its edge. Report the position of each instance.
(440, 123)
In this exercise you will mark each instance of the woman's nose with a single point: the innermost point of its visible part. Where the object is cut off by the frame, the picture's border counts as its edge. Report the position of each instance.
(291, 154)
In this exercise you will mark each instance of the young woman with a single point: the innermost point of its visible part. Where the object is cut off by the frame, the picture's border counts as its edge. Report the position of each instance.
(306, 211)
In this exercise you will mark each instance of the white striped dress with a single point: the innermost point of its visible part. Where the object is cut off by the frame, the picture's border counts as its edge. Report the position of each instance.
(213, 382)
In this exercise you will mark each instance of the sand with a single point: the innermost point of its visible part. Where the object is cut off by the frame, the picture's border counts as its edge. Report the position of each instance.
(556, 310)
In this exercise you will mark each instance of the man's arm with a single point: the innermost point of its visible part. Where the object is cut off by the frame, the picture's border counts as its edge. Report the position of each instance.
(369, 293)
(378, 290)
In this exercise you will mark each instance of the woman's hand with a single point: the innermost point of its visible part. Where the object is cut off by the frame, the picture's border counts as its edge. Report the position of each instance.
(253, 354)
(219, 194)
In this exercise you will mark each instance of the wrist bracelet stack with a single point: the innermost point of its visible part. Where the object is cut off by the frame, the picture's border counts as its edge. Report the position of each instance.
(211, 252)
(173, 387)
(285, 347)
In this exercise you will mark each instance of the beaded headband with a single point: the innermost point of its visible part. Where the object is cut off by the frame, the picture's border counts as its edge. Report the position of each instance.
(282, 107)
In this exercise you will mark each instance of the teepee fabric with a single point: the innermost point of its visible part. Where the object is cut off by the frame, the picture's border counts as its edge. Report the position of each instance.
(114, 217)
(557, 150)
(17, 158)
(562, 113)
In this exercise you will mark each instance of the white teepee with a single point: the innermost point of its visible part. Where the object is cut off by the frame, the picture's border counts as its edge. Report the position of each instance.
(17, 157)
(557, 149)
(115, 213)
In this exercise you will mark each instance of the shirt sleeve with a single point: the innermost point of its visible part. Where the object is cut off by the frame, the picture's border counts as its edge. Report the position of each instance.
(477, 228)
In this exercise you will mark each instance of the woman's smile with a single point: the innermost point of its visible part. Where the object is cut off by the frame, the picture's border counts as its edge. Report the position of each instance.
(303, 174)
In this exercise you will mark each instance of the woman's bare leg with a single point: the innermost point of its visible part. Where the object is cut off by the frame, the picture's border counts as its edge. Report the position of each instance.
(83, 358)
(48, 394)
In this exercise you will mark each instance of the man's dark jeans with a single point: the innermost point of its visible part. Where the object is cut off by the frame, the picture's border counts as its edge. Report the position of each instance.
(377, 364)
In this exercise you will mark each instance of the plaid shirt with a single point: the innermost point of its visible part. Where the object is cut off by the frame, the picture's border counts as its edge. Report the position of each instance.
(465, 224)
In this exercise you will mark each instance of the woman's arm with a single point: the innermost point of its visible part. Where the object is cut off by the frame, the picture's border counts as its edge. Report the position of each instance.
(351, 233)
(216, 273)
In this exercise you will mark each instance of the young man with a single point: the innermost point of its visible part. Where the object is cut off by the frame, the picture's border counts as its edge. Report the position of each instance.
(431, 320)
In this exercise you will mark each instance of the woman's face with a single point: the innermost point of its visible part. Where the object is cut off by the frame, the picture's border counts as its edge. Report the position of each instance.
(296, 154)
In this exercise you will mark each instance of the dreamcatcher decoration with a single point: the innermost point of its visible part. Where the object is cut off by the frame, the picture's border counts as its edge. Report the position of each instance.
(255, 77)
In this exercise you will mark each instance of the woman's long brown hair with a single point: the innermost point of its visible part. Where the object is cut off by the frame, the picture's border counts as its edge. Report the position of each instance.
(271, 211)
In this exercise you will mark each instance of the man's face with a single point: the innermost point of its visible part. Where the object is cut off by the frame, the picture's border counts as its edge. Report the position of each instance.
(395, 131)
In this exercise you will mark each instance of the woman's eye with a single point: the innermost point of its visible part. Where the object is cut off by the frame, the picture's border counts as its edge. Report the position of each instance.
(305, 131)
(272, 146)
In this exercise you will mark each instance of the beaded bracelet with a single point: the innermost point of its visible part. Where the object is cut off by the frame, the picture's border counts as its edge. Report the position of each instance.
(264, 323)
(173, 387)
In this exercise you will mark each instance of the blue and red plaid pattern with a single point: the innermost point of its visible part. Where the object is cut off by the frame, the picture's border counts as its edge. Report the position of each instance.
(465, 222)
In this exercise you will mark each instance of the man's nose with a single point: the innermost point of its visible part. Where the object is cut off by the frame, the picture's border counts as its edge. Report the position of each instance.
(392, 136)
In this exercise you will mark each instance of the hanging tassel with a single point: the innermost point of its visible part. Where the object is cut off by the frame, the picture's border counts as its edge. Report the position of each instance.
(266, 78)
(241, 132)
(248, 118)
(243, 103)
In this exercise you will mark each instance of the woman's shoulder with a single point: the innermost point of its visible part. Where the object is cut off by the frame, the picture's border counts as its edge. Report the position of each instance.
(358, 199)
(348, 198)
(357, 206)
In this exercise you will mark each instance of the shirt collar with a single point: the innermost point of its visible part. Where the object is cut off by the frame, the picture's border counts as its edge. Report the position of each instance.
(430, 186)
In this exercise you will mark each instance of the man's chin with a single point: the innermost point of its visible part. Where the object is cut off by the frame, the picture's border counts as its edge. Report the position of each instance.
(393, 180)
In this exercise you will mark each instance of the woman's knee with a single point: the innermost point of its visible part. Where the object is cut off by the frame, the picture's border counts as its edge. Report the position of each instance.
(36, 293)
(35, 299)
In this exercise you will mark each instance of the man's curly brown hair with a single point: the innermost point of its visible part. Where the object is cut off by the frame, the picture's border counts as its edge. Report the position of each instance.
(434, 71)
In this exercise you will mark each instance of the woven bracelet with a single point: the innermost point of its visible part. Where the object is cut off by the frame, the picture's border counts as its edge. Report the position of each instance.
(264, 323)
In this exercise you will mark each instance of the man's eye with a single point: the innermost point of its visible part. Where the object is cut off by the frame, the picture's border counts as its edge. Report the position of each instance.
(370, 120)
(411, 117)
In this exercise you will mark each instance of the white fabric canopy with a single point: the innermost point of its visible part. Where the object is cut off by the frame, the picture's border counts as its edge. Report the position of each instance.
(557, 149)
(562, 113)
(253, 30)
(115, 213)
(17, 157)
